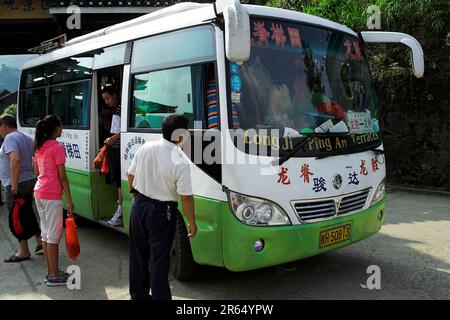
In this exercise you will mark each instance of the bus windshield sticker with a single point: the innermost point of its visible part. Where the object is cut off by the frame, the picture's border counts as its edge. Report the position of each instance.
(359, 122)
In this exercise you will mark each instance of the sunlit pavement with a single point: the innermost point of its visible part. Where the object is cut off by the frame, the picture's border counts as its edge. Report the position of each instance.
(412, 250)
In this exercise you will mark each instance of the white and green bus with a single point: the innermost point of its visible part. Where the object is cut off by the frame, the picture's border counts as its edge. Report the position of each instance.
(286, 97)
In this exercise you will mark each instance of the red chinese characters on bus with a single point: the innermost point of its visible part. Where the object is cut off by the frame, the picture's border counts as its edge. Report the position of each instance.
(263, 36)
(353, 50)
(278, 35)
(283, 177)
(363, 168)
(305, 173)
(354, 124)
(294, 37)
(261, 33)
(358, 56)
(374, 165)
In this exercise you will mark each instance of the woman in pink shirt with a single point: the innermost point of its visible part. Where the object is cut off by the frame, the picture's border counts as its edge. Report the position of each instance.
(50, 159)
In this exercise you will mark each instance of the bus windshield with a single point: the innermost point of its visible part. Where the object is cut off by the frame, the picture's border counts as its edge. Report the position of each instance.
(302, 79)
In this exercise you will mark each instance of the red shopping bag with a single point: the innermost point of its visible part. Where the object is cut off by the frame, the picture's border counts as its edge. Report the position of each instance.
(101, 161)
(98, 161)
(22, 219)
(15, 215)
(72, 244)
(105, 166)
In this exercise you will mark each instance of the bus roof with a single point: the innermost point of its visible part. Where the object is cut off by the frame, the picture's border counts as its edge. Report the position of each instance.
(178, 16)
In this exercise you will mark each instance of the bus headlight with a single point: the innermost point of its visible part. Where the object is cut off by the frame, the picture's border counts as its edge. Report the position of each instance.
(257, 212)
(264, 212)
(379, 193)
(246, 211)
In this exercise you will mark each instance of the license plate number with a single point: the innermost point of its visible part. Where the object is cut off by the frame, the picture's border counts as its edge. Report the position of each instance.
(335, 235)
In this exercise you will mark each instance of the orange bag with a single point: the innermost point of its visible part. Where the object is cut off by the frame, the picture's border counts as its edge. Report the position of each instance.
(72, 244)
(105, 166)
(98, 161)
(101, 161)
(15, 216)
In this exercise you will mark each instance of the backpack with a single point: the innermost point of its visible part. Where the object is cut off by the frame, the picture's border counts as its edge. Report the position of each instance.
(22, 219)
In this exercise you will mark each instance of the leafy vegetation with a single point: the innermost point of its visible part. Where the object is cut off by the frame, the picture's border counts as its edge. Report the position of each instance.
(11, 110)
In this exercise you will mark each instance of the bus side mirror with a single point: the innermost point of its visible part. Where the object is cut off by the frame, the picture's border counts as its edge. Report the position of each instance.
(397, 37)
(237, 29)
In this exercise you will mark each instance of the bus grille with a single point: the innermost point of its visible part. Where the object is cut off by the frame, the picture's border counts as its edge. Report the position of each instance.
(353, 203)
(323, 209)
(316, 210)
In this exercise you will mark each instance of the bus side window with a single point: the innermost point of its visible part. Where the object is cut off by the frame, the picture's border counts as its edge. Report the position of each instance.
(182, 90)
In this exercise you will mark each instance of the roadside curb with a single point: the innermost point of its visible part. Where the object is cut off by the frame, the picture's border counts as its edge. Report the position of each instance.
(417, 190)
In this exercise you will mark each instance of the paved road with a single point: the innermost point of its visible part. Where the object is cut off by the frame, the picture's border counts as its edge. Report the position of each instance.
(412, 250)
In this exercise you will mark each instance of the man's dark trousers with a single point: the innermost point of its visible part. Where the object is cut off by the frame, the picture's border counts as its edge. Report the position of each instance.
(151, 238)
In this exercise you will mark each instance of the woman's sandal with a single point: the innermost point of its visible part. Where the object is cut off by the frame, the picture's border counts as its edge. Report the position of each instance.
(38, 249)
(15, 258)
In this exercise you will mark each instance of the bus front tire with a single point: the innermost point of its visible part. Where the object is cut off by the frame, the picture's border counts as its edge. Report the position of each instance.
(182, 264)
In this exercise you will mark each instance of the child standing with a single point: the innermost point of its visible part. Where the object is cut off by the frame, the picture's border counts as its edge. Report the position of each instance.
(50, 158)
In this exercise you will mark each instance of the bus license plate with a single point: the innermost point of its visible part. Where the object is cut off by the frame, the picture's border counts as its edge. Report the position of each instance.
(335, 235)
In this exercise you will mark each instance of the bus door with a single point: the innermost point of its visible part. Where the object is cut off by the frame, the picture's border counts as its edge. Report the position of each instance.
(104, 194)
(108, 70)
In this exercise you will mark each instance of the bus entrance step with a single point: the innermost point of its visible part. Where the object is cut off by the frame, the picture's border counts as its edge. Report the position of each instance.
(104, 222)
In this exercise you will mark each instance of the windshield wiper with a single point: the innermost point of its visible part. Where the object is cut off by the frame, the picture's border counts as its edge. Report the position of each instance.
(351, 149)
(300, 144)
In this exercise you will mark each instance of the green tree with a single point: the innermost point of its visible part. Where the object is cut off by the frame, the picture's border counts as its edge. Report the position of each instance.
(11, 110)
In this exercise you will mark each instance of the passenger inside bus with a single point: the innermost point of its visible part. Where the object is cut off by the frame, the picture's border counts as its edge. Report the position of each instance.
(108, 78)
(111, 97)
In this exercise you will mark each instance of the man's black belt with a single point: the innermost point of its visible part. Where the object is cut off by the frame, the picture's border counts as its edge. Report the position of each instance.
(157, 202)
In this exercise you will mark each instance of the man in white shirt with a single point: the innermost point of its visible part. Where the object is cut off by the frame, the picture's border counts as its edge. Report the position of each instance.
(158, 174)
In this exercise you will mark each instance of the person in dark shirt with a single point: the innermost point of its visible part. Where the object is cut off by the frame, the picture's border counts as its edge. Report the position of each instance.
(110, 95)
(17, 175)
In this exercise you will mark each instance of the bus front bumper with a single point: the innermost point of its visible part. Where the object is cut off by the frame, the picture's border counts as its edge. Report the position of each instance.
(289, 243)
